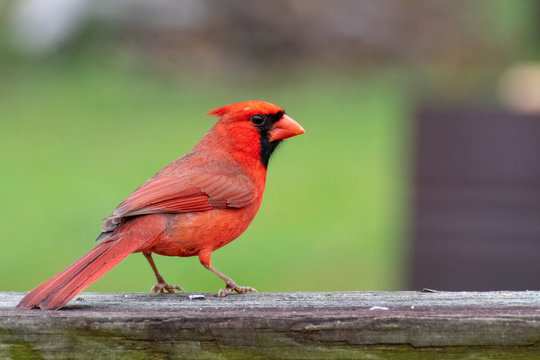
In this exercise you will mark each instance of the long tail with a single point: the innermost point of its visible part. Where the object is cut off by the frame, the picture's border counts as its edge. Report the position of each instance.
(64, 286)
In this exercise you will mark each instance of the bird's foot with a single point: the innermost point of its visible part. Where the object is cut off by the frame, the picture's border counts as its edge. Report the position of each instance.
(231, 285)
(162, 286)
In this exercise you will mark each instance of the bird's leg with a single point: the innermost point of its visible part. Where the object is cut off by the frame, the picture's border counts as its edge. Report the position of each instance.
(161, 286)
(204, 258)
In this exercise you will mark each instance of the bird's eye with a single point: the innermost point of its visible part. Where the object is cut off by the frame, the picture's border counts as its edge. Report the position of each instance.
(257, 119)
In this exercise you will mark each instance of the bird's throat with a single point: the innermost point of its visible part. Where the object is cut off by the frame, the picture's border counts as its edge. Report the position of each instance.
(267, 148)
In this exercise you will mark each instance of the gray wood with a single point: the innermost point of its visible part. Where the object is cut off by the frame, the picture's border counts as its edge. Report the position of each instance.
(364, 325)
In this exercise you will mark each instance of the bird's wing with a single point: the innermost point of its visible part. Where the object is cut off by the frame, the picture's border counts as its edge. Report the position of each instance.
(189, 192)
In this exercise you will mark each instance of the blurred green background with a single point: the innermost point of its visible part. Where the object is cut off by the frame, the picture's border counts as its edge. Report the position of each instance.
(86, 117)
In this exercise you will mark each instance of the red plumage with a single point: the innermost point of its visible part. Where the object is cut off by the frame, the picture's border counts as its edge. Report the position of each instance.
(193, 206)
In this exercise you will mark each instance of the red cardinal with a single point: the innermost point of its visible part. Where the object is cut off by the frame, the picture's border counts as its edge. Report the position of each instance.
(193, 206)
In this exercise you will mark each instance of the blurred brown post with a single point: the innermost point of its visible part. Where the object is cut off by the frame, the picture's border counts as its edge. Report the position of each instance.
(477, 200)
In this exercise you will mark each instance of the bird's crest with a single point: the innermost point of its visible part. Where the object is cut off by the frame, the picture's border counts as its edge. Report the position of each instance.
(252, 107)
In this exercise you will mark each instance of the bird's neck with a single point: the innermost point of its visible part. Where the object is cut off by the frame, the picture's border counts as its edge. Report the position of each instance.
(243, 150)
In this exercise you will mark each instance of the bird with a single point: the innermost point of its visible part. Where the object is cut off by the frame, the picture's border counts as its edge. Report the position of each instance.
(192, 207)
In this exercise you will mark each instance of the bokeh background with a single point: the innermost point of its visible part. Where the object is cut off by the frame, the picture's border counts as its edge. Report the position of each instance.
(96, 96)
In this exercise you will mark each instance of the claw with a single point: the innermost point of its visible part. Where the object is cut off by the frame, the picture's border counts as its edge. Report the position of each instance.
(162, 287)
(232, 286)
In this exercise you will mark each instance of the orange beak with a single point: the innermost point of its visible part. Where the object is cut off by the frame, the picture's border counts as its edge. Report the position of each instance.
(286, 127)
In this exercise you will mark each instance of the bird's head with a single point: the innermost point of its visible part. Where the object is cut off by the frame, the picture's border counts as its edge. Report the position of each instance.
(255, 127)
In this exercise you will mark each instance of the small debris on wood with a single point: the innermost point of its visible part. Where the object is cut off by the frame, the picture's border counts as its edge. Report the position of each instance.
(197, 297)
(378, 308)
(429, 290)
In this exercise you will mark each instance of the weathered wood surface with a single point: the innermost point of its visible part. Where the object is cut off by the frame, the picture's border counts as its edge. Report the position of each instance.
(361, 325)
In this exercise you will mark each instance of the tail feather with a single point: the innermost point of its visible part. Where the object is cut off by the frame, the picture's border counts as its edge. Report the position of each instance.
(57, 291)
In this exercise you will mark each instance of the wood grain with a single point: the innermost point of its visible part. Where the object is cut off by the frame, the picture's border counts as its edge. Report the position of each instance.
(361, 325)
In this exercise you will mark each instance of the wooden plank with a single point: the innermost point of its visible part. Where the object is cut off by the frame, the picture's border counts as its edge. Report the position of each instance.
(364, 325)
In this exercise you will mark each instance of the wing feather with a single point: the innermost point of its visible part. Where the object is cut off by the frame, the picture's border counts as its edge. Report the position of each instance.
(189, 192)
